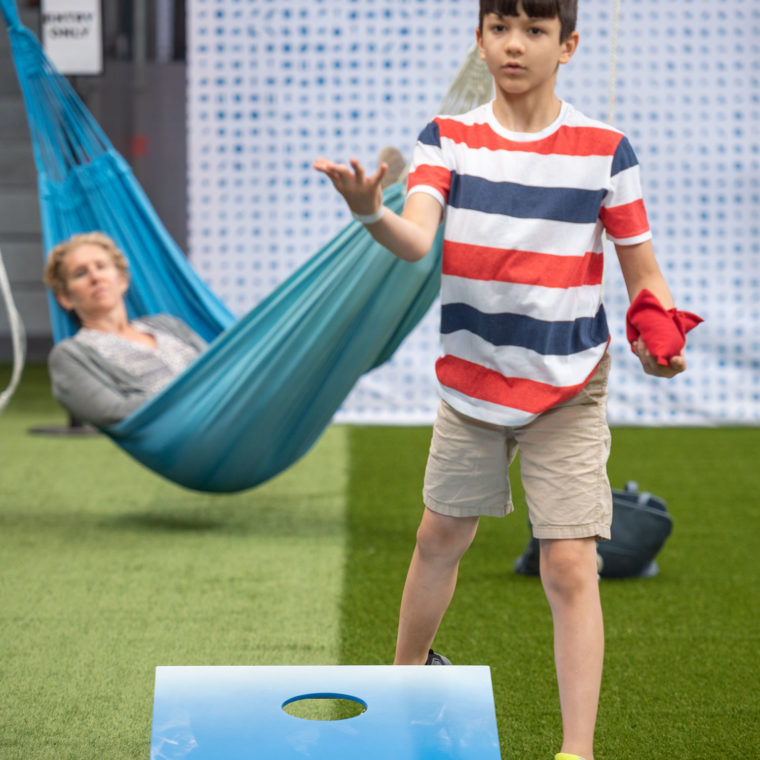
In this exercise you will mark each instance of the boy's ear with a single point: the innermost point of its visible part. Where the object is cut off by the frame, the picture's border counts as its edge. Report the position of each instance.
(479, 41)
(569, 46)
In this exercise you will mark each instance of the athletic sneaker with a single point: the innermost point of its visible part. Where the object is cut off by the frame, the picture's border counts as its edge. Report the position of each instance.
(437, 659)
(567, 756)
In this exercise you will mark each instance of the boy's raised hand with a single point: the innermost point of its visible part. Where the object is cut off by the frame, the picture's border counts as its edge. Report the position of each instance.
(363, 194)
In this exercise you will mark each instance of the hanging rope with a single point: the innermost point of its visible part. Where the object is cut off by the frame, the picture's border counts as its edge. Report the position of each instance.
(611, 118)
(613, 62)
(18, 336)
(10, 13)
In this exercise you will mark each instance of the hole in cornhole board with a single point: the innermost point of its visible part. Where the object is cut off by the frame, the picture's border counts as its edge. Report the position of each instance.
(324, 706)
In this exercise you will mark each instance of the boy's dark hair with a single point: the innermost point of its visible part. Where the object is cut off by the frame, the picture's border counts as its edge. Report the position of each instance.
(565, 10)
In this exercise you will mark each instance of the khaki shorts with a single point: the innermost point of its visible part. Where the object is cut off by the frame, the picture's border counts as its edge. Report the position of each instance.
(563, 465)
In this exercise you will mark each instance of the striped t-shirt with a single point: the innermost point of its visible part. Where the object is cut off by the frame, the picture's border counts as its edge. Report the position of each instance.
(522, 322)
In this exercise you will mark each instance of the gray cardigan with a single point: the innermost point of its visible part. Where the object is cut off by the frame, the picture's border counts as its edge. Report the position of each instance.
(92, 388)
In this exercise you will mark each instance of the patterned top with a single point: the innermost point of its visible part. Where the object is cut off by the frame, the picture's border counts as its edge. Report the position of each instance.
(155, 367)
(522, 322)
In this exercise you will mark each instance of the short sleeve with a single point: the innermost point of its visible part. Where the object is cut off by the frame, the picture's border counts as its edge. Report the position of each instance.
(623, 212)
(430, 171)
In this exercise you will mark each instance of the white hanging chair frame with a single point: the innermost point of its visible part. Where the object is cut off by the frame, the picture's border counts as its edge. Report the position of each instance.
(18, 336)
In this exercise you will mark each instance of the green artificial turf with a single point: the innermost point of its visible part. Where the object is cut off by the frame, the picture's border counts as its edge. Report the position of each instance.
(683, 650)
(107, 571)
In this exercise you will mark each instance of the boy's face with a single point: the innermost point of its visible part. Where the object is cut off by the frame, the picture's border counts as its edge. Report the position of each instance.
(523, 53)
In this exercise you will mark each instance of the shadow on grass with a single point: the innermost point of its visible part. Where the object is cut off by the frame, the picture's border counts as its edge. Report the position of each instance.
(152, 522)
(271, 519)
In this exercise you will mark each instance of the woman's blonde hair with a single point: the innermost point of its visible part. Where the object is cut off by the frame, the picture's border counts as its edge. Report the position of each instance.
(54, 275)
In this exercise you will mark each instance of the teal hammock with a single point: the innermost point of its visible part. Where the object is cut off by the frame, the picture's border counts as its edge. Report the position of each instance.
(270, 383)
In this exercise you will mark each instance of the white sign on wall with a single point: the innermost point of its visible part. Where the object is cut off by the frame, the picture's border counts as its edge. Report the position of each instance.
(72, 35)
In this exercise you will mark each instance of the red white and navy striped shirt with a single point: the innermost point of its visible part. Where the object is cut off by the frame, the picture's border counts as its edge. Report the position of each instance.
(523, 327)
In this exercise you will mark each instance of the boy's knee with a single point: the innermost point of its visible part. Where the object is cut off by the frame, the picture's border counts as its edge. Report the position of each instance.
(443, 535)
(568, 566)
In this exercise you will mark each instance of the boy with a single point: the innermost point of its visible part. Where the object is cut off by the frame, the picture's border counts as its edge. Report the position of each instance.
(527, 185)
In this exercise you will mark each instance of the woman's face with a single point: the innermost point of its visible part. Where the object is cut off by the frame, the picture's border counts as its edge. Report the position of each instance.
(94, 285)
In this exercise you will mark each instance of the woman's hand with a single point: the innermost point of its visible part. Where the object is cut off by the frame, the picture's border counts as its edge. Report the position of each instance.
(363, 194)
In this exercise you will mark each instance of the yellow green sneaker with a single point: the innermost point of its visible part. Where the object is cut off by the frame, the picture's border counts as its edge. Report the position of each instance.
(567, 756)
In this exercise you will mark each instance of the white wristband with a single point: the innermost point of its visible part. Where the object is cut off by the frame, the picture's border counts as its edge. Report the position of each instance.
(369, 218)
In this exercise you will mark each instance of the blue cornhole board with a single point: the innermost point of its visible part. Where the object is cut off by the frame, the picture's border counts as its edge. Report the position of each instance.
(412, 713)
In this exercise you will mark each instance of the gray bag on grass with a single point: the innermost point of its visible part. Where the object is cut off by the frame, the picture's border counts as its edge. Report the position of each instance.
(640, 526)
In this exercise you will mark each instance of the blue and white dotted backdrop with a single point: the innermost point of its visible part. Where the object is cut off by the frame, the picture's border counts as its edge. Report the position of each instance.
(273, 85)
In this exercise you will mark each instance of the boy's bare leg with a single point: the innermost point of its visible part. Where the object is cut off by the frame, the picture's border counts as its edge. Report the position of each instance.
(569, 577)
(430, 582)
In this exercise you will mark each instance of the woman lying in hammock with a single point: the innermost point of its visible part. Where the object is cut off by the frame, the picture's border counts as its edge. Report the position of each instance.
(111, 366)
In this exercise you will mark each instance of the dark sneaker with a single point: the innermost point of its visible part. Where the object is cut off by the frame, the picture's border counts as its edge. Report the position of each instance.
(437, 659)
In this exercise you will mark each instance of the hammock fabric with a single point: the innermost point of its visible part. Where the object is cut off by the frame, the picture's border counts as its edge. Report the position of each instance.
(269, 384)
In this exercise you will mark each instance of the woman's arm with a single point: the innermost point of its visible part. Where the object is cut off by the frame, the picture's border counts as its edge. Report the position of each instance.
(86, 391)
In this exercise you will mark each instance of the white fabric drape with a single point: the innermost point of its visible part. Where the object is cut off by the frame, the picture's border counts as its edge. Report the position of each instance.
(271, 86)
